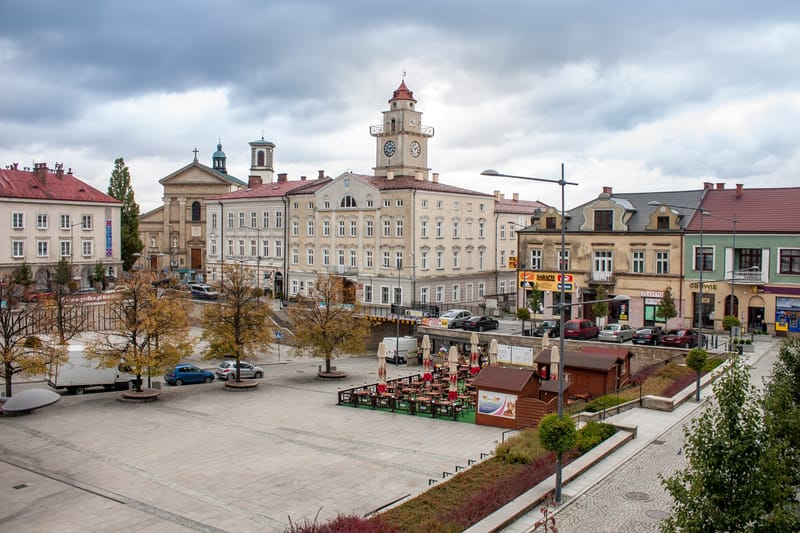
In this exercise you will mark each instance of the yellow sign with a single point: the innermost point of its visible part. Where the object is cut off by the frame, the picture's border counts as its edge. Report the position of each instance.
(546, 281)
(512, 262)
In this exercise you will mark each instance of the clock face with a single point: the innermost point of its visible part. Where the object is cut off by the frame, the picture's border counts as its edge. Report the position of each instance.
(416, 149)
(389, 148)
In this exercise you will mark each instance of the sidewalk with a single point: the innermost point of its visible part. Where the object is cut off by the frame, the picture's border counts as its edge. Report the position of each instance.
(521, 514)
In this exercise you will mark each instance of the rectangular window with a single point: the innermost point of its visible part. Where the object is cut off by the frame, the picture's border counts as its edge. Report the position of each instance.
(278, 220)
(278, 248)
(295, 256)
(398, 259)
(440, 259)
(387, 202)
(398, 228)
(367, 293)
(423, 260)
(265, 248)
(456, 233)
(439, 204)
(399, 203)
(603, 264)
(326, 228)
(790, 261)
(86, 222)
(456, 259)
(423, 229)
(41, 221)
(385, 295)
(353, 228)
(326, 257)
(550, 223)
(703, 258)
(481, 260)
(565, 260)
(326, 204)
(387, 228)
(368, 259)
(502, 231)
(481, 285)
(213, 247)
(295, 228)
(310, 228)
(662, 223)
(439, 294)
(423, 203)
(470, 291)
(253, 219)
(370, 228)
(353, 262)
(340, 231)
(253, 247)
(398, 295)
(502, 288)
(603, 220)
(750, 258)
(17, 220)
(310, 256)
(241, 219)
(310, 205)
(87, 248)
(42, 248)
(18, 248)
(637, 261)
(265, 219)
(662, 262)
(456, 293)
(439, 229)
(65, 247)
(536, 260)
(385, 260)
(230, 247)
(230, 220)
(340, 256)
(241, 247)
(66, 222)
(423, 295)
(482, 229)
(214, 220)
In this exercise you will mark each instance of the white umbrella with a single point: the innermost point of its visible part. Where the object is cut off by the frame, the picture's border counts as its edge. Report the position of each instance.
(555, 357)
(474, 367)
(381, 368)
(452, 357)
(545, 341)
(426, 358)
(493, 352)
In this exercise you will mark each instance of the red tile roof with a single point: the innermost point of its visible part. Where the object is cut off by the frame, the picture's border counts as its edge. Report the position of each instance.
(49, 185)
(402, 93)
(267, 190)
(518, 207)
(756, 210)
(409, 182)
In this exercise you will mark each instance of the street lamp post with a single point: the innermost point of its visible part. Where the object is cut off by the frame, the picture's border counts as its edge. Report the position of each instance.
(397, 316)
(562, 183)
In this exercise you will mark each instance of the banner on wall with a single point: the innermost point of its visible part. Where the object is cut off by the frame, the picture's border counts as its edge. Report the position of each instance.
(515, 355)
(497, 404)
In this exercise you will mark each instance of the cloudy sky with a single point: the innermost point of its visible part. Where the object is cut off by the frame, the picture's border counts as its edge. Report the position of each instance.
(636, 95)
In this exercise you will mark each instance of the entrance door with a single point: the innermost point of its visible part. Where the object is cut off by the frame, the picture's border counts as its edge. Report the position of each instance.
(197, 259)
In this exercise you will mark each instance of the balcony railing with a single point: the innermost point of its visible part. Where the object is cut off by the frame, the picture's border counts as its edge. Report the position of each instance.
(747, 277)
(601, 276)
(380, 129)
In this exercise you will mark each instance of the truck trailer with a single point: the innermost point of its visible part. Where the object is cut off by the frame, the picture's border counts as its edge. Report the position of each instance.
(79, 373)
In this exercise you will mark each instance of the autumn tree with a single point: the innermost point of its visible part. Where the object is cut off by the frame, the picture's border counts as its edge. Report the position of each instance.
(151, 333)
(64, 315)
(666, 306)
(535, 300)
(119, 187)
(237, 324)
(735, 479)
(330, 326)
(18, 322)
(600, 309)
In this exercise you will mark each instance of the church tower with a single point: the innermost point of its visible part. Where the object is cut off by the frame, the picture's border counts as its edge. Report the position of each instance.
(219, 159)
(402, 140)
(261, 156)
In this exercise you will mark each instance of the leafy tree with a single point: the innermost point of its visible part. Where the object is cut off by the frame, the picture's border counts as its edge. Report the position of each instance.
(151, 333)
(782, 406)
(557, 434)
(730, 322)
(523, 313)
(696, 360)
(99, 275)
(23, 277)
(535, 299)
(119, 187)
(237, 324)
(17, 320)
(666, 307)
(329, 328)
(734, 480)
(600, 309)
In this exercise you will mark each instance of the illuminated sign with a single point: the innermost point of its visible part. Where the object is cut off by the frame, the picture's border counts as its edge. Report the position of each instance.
(547, 281)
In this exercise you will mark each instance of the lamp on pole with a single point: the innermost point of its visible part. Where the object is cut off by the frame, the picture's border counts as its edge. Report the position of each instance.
(562, 183)
(399, 264)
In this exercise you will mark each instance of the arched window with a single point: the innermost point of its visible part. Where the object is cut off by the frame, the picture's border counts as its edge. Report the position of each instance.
(348, 201)
(260, 157)
(195, 211)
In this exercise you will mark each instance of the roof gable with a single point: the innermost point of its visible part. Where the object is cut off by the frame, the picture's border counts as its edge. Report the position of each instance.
(215, 175)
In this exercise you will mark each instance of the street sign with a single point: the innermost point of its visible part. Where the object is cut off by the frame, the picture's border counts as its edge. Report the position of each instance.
(567, 286)
(278, 335)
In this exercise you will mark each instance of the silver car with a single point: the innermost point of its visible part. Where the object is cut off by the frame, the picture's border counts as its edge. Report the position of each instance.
(616, 333)
(227, 370)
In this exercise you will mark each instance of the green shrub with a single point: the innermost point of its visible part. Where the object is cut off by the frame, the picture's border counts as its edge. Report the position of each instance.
(730, 321)
(521, 449)
(592, 434)
(557, 434)
(604, 402)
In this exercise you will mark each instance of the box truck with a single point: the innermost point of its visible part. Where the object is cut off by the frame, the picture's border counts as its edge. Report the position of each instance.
(407, 350)
(79, 373)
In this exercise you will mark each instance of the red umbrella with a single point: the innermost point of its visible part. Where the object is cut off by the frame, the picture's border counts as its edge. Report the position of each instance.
(426, 358)
(474, 367)
(381, 368)
(452, 358)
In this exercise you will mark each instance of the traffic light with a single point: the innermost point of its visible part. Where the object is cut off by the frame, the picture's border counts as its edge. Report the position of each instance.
(512, 262)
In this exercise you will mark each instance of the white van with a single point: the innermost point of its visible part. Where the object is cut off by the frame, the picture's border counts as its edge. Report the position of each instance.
(408, 348)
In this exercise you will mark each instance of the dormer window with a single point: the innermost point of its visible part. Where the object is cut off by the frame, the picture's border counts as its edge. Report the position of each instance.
(662, 223)
(550, 223)
(604, 220)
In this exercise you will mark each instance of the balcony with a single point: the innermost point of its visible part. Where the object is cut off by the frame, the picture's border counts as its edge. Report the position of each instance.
(600, 277)
(753, 276)
(341, 270)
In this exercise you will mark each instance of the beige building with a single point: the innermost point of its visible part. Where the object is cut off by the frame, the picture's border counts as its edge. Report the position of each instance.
(54, 215)
(618, 242)
(174, 234)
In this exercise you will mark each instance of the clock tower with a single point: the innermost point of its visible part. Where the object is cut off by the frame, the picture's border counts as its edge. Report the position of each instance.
(402, 140)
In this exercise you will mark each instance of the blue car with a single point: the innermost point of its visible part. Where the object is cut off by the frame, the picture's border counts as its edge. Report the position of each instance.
(188, 374)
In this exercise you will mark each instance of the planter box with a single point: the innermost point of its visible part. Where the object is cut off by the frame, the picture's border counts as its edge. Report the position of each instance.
(748, 348)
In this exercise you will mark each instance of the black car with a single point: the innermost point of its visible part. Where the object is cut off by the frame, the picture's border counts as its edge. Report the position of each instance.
(551, 327)
(649, 335)
(479, 323)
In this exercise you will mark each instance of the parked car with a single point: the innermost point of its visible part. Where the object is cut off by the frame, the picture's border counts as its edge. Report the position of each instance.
(479, 323)
(203, 291)
(616, 333)
(683, 338)
(580, 328)
(39, 294)
(649, 335)
(227, 370)
(188, 374)
(86, 290)
(448, 317)
(551, 327)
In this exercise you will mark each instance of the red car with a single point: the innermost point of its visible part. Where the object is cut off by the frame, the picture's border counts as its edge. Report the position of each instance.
(682, 338)
(580, 329)
(38, 294)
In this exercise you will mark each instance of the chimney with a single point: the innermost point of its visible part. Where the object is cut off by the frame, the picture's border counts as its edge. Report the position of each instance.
(60, 170)
(720, 186)
(515, 196)
(302, 178)
(320, 174)
(69, 171)
(739, 190)
(496, 195)
(282, 177)
(40, 171)
(389, 175)
(435, 177)
(418, 175)
(708, 185)
(607, 190)
(252, 181)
